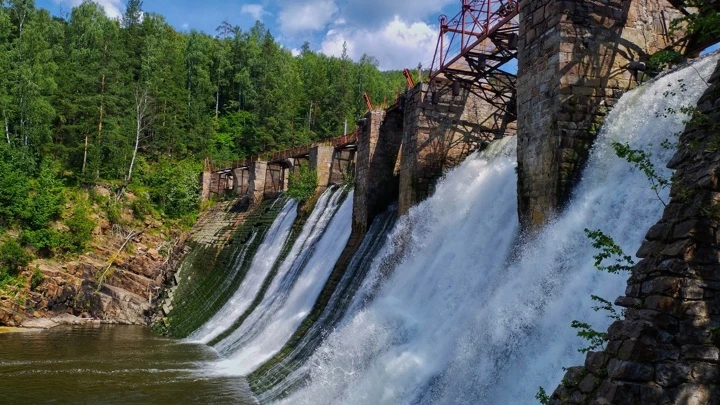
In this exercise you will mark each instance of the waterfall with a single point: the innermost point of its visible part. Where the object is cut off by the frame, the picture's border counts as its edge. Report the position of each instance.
(261, 265)
(465, 316)
(292, 369)
(294, 289)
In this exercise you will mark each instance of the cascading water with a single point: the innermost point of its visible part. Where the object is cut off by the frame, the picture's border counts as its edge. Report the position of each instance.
(281, 276)
(262, 263)
(292, 369)
(294, 289)
(461, 319)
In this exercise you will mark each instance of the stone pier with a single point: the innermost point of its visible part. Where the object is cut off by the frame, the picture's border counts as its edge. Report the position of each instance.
(572, 68)
(320, 160)
(256, 181)
(441, 128)
(376, 181)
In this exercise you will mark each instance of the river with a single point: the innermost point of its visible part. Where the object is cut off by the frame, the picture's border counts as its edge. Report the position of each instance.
(110, 365)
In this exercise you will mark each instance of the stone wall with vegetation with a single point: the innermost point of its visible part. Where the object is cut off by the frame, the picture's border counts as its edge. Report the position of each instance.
(218, 255)
(667, 349)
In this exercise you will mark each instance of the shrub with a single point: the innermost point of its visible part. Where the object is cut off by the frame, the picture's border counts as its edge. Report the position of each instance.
(141, 206)
(302, 183)
(14, 190)
(80, 227)
(44, 204)
(36, 279)
(114, 212)
(173, 187)
(47, 239)
(665, 59)
(13, 257)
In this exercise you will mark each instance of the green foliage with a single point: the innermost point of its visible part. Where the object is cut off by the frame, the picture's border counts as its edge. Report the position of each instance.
(302, 183)
(174, 187)
(705, 23)
(80, 227)
(14, 189)
(596, 339)
(607, 306)
(36, 279)
(609, 250)
(664, 59)
(348, 181)
(45, 202)
(641, 160)
(542, 396)
(141, 206)
(46, 240)
(113, 210)
(13, 257)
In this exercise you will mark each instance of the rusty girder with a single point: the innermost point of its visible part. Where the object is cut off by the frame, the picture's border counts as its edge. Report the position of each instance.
(472, 48)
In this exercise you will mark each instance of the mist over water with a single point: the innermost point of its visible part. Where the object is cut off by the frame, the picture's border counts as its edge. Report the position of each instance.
(459, 319)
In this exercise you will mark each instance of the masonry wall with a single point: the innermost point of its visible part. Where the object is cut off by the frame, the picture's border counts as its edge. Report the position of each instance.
(440, 135)
(256, 181)
(376, 181)
(321, 158)
(667, 349)
(571, 70)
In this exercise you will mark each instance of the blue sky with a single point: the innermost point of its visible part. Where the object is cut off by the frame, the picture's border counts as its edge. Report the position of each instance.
(399, 33)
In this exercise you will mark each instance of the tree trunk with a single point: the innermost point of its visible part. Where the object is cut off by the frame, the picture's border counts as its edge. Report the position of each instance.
(217, 102)
(85, 154)
(7, 131)
(141, 105)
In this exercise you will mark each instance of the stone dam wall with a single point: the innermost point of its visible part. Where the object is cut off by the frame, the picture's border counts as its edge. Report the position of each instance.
(573, 65)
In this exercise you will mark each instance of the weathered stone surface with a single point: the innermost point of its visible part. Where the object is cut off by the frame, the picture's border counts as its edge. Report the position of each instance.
(439, 131)
(572, 67)
(321, 158)
(376, 181)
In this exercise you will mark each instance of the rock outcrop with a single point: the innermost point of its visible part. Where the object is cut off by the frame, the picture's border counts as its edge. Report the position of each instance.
(106, 284)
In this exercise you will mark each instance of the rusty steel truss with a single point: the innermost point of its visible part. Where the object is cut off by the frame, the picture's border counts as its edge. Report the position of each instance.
(472, 48)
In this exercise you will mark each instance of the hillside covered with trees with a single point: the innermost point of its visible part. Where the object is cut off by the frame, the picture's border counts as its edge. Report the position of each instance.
(135, 106)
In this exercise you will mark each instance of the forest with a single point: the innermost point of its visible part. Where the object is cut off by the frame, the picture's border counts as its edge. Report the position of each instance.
(137, 105)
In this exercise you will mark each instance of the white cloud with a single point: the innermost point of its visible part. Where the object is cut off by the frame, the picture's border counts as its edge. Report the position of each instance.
(397, 45)
(112, 7)
(255, 10)
(377, 13)
(306, 15)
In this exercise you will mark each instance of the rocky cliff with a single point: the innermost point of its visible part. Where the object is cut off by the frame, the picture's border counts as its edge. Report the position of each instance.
(116, 280)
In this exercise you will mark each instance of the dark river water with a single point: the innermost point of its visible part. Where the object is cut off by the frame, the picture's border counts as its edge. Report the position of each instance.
(110, 365)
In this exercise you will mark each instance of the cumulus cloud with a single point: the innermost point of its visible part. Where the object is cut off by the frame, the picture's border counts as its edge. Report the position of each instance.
(306, 15)
(112, 7)
(255, 10)
(397, 45)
